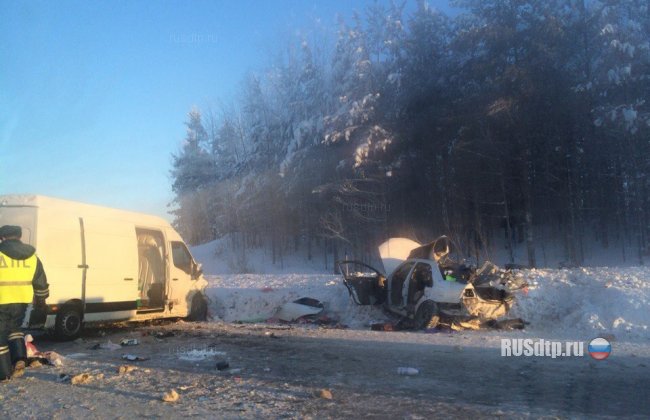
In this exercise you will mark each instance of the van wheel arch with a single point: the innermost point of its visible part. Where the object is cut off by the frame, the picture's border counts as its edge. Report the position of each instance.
(198, 308)
(69, 320)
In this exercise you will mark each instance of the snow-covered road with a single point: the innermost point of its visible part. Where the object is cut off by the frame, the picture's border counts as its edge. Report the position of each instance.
(278, 372)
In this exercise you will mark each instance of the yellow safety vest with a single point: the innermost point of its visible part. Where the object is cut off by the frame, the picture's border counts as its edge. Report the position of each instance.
(16, 279)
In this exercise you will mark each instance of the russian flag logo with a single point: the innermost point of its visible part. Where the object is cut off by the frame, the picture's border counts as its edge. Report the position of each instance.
(599, 348)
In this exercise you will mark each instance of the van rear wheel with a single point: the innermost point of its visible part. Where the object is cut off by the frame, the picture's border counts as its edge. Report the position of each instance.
(68, 323)
(199, 309)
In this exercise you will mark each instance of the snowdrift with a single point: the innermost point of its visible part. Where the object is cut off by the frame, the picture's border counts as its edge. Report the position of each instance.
(257, 297)
(588, 301)
(577, 303)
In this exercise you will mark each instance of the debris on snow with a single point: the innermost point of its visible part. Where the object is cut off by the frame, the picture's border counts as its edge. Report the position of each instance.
(325, 394)
(134, 358)
(222, 365)
(124, 369)
(196, 355)
(84, 378)
(302, 307)
(171, 396)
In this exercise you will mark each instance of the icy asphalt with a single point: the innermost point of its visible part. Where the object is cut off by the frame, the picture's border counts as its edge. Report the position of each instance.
(280, 372)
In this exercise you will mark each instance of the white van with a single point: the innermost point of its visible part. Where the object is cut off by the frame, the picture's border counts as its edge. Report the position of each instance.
(104, 264)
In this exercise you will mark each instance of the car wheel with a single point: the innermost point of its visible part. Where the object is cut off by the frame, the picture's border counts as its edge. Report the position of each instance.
(68, 323)
(199, 309)
(427, 315)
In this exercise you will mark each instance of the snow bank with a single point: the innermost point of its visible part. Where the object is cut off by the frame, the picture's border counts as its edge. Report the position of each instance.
(577, 303)
(257, 297)
(586, 302)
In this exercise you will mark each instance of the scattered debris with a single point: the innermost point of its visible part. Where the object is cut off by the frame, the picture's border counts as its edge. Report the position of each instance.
(52, 358)
(383, 326)
(464, 323)
(29, 344)
(223, 365)
(171, 396)
(299, 308)
(109, 345)
(76, 355)
(82, 379)
(129, 342)
(124, 369)
(196, 355)
(408, 371)
(134, 358)
(470, 324)
(325, 394)
(507, 324)
(35, 364)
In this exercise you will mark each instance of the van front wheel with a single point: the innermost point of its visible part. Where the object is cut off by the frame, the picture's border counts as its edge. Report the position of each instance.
(68, 323)
(199, 309)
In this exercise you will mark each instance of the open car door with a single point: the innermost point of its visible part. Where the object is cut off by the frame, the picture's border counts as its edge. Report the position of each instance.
(366, 285)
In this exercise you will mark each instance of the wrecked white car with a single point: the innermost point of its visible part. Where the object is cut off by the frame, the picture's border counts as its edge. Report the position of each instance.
(425, 283)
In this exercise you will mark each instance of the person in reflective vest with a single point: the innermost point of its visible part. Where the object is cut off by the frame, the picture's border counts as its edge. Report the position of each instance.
(22, 281)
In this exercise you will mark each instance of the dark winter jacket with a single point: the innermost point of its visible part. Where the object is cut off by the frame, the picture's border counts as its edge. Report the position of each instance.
(15, 249)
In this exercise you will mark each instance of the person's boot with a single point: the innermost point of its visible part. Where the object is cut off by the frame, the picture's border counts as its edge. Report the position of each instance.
(18, 353)
(5, 363)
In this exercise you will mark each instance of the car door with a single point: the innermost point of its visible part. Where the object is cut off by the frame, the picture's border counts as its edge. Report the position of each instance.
(396, 284)
(420, 278)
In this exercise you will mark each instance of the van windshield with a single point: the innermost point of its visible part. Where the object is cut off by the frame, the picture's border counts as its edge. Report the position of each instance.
(25, 217)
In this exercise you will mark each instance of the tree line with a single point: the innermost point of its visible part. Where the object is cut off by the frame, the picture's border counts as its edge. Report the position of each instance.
(514, 124)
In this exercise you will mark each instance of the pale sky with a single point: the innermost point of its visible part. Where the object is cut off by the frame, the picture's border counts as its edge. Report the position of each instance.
(93, 95)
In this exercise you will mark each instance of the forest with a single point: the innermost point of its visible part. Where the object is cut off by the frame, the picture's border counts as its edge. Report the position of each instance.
(512, 125)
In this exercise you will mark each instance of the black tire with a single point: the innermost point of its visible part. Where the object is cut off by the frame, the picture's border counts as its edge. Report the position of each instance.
(427, 316)
(199, 308)
(69, 323)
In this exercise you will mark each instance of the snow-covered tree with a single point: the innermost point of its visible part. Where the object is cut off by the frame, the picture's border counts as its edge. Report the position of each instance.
(193, 170)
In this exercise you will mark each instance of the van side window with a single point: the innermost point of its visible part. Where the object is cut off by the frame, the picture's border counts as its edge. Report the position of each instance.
(181, 256)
